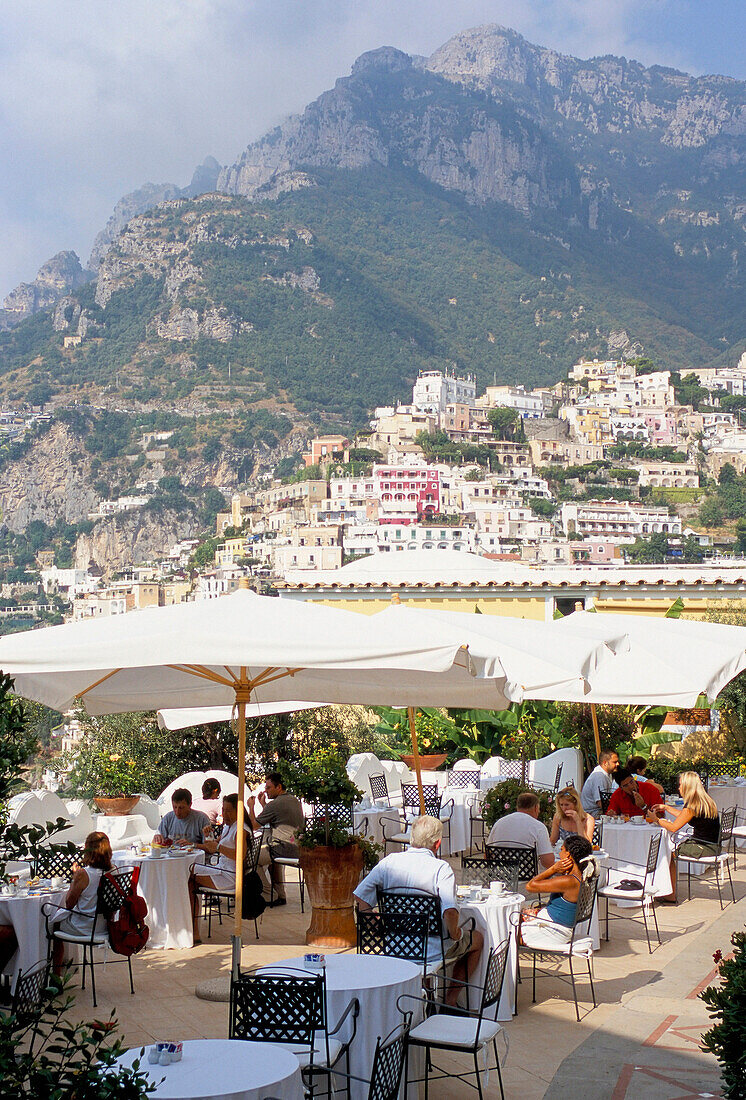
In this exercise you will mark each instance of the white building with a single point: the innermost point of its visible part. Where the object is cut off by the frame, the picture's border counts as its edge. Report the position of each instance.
(433, 390)
(527, 405)
(395, 536)
(617, 519)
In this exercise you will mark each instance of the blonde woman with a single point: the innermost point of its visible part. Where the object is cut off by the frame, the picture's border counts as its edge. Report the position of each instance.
(570, 819)
(700, 812)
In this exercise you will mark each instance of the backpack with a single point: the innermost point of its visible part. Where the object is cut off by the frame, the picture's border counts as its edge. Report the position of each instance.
(128, 932)
(253, 904)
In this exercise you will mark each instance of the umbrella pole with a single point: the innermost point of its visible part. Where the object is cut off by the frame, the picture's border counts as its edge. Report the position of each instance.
(416, 754)
(242, 697)
(596, 736)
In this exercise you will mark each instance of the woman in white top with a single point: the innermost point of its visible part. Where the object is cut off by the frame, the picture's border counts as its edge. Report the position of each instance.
(223, 876)
(82, 897)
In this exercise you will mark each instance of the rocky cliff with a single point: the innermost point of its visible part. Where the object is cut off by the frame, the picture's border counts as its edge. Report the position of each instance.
(57, 277)
(133, 538)
(52, 481)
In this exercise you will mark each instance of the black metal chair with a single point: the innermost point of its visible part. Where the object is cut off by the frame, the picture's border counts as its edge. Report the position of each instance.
(212, 897)
(288, 1007)
(402, 936)
(410, 798)
(389, 1060)
(642, 897)
(115, 885)
(604, 797)
(408, 908)
(462, 779)
(26, 999)
(579, 944)
(477, 832)
(553, 787)
(475, 869)
(504, 857)
(460, 1032)
(717, 862)
(335, 814)
(379, 789)
(55, 863)
(434, 807)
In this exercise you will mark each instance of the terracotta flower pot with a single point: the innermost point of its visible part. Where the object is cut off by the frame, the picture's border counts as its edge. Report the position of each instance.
(427, 763)
(117, 807)
(331, 875)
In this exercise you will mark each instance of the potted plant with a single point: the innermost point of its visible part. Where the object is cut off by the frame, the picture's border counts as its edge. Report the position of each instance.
(331, 858)
(435, 736)
(116, 780)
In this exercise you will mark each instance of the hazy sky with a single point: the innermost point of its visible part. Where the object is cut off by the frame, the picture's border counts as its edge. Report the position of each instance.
(100, 96)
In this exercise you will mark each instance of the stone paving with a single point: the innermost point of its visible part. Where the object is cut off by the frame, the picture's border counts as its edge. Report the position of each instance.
(642, 1040)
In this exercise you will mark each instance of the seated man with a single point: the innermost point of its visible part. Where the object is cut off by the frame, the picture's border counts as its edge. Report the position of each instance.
(185, 826)
(209, 803)
(632, 796)
(222, 876)
(599, 781)
(284, 814)
(524, 828)
(418, 867)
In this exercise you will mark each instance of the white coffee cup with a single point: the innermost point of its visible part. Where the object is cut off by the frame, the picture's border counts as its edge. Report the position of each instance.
(498, 887)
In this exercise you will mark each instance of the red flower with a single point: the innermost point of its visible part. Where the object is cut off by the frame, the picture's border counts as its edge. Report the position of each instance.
(718, 956)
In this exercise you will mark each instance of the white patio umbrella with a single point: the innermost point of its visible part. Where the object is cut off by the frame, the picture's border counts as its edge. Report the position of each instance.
(668, 661)
(181, 718)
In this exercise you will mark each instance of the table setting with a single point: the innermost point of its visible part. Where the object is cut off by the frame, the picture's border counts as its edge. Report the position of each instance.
(377, 981)
(492, 909)
(218, 1069)
(163, 882)
(627, 842)
(370, 816)
(20, 906)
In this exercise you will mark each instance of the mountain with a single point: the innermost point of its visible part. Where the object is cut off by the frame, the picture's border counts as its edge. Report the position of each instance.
(497, 206)
(56, 277)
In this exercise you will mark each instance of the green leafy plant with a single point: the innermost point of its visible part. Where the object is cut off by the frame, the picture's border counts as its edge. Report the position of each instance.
(23, 842)
(726, 1004)
(501, 800)
(321, 779)
(69, 1060)
(17, 742)
(436, 732)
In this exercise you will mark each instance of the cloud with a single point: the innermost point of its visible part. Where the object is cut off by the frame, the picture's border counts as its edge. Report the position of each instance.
(98, 98)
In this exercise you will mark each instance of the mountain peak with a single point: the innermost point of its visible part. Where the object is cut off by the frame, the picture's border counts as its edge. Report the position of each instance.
(384, 59)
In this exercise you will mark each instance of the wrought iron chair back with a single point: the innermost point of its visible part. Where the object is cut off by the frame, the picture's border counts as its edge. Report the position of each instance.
(413, 905)
(513, 769)
(110, 900)
(379, 788)
(598, 834)
(277, 1008)
(727, 821)
(604, 797)
(28, 992)
(335, 814)
(652, 862)
(388, 1063)
(460, 779)
(494, 975)
(402, 936)
(504, 857)
(475, 869)
(586, 901)
(557, 778)
(51, 863)
(410, 795)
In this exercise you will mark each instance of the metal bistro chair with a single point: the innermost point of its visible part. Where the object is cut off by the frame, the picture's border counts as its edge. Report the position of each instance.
(53, 863)
(598, 834)
(604, 797)
(475, 869)
(504, 857)
(462, 779)
(578, 946)
(552, 787)
(716, 862)
(379, 789)
(399, 935)
(212, 897)
(288, 1007)
(434, 807)
(642, 897)
(408, 910)
(410, 799)
(26, 999)
(115, 885)
(461, 1033)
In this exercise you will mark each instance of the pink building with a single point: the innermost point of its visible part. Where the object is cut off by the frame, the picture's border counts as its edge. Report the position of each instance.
(661, 426)
(406, 492)
(593, 551)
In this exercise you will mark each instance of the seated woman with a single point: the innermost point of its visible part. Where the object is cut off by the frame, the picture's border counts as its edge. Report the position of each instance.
(700, 812)
(576, 864)
(222, 876)
(82, 897)
(638, 765)
(570, 819)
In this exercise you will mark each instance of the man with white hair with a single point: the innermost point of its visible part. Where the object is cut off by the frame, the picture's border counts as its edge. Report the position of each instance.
(419, 868)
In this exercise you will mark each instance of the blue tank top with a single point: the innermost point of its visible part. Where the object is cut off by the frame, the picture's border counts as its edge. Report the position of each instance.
(561, 911)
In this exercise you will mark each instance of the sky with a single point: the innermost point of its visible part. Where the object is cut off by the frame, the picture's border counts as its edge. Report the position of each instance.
(98, 97)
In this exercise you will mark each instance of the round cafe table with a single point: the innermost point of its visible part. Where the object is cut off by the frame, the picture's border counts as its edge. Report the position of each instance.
(223, 1069)
(377, 981)
(373, 818)
(629, 844)
(163, 883)
(24, 912)
(492, 916)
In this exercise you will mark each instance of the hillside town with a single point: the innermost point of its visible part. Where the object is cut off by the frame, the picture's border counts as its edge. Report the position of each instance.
(587, 475)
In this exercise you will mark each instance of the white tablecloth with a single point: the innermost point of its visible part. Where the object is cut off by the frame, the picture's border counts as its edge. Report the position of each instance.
(630, 843)
(163, 883)
(374, 817)
(730, 795)
(493, 921)
(25, 914)
(463, 799)
(377, 981)
(223, 1069)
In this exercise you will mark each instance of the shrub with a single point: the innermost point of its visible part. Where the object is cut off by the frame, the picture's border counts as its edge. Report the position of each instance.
(501, 799)
(727, 1004)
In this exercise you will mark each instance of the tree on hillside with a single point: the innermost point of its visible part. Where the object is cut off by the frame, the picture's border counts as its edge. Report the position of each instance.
(506, 424)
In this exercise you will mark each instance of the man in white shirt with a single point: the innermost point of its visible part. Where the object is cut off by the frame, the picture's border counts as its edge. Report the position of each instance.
(419, 868)
(524, 828)
(599, 781)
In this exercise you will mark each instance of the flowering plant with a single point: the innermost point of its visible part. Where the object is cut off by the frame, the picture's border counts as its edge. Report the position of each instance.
(726, 1004)
(501, 799)
(106, 774)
